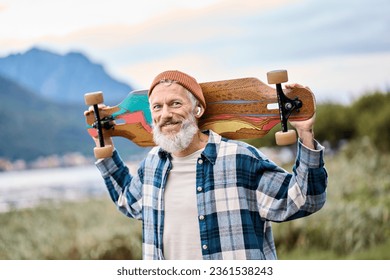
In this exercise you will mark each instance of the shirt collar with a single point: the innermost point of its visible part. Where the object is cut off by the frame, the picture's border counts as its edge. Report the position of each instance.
(211, 150)
(163, 154)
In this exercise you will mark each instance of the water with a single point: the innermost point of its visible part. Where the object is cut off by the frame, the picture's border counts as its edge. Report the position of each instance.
(29, 188)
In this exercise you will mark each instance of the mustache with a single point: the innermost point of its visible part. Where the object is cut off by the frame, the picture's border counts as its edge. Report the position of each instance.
(184, 122)
(168, 122)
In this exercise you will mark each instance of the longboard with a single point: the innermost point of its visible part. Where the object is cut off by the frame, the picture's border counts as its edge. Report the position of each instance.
(244, 108)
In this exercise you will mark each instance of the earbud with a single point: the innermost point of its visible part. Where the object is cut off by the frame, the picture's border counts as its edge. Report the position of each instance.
(199, 111)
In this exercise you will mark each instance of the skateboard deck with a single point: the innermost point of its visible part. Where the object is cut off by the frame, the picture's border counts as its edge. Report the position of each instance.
(243, 108)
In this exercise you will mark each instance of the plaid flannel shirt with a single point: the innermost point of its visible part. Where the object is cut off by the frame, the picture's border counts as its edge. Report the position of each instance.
(238, 191)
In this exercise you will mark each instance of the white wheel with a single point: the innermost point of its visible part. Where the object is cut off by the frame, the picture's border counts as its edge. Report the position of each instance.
(277, 77)
(103, 152)
(286, 138)
(93, 98)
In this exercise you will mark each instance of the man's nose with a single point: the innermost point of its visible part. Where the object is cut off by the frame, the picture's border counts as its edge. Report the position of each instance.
(166, 112)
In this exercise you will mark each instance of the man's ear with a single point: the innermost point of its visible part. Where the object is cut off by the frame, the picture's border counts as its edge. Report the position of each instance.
(199, 111)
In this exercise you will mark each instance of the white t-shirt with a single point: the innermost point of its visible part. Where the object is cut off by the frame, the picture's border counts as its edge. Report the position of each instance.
(181, 238)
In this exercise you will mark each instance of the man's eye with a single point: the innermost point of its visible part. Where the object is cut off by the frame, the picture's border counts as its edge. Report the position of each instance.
(156, 107)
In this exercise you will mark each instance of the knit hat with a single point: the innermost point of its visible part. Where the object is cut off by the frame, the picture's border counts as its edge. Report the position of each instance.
(182, 79)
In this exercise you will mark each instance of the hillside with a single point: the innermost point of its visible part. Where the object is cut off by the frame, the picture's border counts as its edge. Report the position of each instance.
(61, 78)
(32, 126)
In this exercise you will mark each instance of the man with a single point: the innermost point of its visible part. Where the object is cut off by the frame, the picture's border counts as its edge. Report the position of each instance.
(201, 196)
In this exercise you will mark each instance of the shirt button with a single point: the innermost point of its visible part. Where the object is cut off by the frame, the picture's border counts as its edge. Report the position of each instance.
(204, 247)
(200, 161)
(199, 189)
(201, 217)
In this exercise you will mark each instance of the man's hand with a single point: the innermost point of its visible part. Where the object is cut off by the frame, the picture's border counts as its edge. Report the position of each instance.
(107, 139)
(304, 128)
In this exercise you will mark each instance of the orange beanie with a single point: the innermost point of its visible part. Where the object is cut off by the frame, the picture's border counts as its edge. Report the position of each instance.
(182, 79)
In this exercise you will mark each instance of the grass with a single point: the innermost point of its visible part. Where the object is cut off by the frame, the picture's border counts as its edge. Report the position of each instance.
(68, 231)
(375, 252)
(354, 223)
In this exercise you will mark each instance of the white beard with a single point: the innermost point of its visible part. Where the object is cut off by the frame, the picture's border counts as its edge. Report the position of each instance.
(179, 141)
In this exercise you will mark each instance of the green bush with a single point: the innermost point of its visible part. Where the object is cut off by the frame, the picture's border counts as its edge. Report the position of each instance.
(372, 115)
(334, 122)
(367, 116)
(356, 216)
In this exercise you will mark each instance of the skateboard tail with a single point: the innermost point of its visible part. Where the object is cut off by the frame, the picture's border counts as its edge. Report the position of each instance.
(133, 111)
(135, 102)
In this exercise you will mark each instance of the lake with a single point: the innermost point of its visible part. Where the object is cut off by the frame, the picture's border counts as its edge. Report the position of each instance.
(28, 188)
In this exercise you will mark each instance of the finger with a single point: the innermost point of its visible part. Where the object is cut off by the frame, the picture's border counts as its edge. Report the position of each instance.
(91, 109)
(101, 106)
(295, 85)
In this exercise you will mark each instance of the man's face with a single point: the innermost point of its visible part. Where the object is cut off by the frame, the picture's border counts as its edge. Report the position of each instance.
(170, 106)
(172, 114)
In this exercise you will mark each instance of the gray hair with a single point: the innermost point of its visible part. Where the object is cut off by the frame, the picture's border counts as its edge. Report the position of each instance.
(194, 100)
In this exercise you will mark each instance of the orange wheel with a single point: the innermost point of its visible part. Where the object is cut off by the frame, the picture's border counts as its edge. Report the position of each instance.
(103, 152)
(93, 98)
(285, 138)
(277, 77)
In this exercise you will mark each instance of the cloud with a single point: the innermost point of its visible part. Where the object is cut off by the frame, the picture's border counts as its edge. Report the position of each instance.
(322, 43)
(174, 26)
(199, 66)
(343, 78)
(44, 17)
(2, 7)
(334, 78)
(176, 32)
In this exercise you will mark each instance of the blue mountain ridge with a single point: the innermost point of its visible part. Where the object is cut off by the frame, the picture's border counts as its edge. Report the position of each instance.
(62, 78)
(34, 125)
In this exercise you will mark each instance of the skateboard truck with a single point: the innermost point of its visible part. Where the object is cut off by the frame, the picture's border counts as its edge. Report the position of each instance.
(105, 123)
(286, 107)
(93, 99)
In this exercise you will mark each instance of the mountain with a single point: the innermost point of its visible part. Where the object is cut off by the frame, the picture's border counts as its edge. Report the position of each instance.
(32, 126)
(61, 78)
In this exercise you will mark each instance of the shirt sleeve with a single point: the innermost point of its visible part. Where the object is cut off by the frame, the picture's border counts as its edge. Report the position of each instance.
(124, 188)
(283, 196)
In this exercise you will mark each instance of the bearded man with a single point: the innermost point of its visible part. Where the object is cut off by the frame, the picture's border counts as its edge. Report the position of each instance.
(201, 196)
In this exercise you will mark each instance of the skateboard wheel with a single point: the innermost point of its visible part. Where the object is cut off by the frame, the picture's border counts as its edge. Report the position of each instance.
(286, 138)
(103, 152)
(277, 77)
(93, 98)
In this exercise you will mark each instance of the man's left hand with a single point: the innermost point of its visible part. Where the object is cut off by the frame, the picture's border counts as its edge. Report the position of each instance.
(304, 128)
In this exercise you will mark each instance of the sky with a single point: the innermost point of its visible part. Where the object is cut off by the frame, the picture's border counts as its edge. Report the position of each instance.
(340, 49)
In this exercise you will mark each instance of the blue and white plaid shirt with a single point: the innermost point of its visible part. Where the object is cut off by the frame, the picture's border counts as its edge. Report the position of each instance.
(238, 191)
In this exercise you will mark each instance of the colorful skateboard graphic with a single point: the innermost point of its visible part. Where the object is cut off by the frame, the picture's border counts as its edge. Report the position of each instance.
(132, 117)
(236, 109)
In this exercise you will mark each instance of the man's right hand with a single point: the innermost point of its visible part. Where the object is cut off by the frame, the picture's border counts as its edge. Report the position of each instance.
(107, 139)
